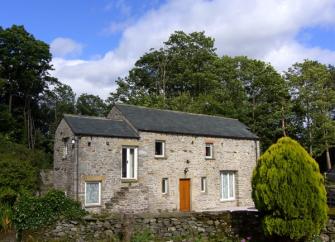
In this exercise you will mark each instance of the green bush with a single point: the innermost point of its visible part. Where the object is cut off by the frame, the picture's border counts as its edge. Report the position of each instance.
(6, 215)
(18, 175)
(289, 191)
(31, 212)
(142, 236)
(7, 196)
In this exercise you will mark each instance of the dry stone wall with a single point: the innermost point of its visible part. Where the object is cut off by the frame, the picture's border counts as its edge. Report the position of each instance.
(168, 227)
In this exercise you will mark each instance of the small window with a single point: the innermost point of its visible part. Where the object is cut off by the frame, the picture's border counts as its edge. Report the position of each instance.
(159, 148)
(165, 185)
(209, 151)
(203, 184)
(92, 193)
(227, 185)
(65, 147)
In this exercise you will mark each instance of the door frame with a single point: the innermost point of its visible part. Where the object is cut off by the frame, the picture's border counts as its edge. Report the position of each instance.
(190, 192)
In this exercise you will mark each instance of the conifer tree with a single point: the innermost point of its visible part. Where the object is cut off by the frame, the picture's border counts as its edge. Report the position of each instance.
(288, 190)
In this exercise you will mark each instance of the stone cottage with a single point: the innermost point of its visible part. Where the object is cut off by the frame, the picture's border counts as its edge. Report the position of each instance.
(148, 160)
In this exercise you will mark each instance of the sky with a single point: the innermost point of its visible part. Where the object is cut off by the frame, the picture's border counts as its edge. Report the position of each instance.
(94, 42)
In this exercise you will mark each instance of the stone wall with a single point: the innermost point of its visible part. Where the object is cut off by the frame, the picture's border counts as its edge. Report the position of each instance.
(47, 180)
(64, 167)
(240, 224)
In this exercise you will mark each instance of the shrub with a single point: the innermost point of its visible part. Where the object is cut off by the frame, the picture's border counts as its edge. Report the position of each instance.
(32, 212)
(5, 217)
(289, 191)
(18, 175)
(7, 196)
(142, 236)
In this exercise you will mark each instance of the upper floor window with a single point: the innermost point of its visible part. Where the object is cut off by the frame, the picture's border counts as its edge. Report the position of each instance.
(209, 151)
(159, 148)
(129, 162)
(227, 185)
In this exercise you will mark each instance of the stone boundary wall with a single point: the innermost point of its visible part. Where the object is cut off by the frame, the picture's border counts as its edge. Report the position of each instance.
(169, 226)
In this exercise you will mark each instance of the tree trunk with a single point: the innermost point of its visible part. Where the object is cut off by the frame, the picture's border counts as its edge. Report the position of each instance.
(29, 124)
(283, 125)
(329, 164)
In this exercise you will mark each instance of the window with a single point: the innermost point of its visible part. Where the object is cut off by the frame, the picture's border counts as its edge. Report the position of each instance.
(203, 184)
(227, 185)
(165, 185)
(65, 147)
(92, 193)
(209, 151)
(159, 148)
(129, 162)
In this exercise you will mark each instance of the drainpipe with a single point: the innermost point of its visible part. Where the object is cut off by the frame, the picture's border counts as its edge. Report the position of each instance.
(76, 140)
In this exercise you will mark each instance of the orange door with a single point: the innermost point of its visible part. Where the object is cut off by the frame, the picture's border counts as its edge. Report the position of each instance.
(185, 194)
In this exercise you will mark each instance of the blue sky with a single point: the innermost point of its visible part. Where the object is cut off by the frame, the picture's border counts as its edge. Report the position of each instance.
(87, 22)
(94, 42)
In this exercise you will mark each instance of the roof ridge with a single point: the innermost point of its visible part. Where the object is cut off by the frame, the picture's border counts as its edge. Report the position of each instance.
(175, 111)
(86, 116)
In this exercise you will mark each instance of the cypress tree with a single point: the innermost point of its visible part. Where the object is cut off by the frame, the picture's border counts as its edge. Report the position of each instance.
(289, 191)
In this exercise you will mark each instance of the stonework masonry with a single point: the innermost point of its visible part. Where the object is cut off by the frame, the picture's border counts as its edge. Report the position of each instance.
(166, 227)
(99, 159)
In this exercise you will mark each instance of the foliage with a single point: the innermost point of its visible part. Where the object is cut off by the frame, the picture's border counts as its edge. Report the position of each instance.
(25, 65)
(6, 215)
(32, 212)
(91, 105)
(186, 74)
(142, 236)
(288, 189)
(7, 196)
(16, 175)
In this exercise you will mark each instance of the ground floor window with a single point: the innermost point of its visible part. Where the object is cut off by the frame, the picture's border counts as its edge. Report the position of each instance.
(227, 185)
(129, 162)
(92, 193)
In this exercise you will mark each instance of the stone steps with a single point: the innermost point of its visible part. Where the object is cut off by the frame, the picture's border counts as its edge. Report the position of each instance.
(129, 199)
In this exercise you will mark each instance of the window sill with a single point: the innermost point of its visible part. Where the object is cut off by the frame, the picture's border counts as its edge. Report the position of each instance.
(92, 205)
(160, 157)
(227, 200)
(128, 180)
(209, 158)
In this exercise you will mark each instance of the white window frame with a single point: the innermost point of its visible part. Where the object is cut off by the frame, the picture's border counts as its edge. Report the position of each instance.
(93, 204)
(128, 167)
(203, 184)
(163, 148)
(228, 173)
(211, 146)
(165, 185)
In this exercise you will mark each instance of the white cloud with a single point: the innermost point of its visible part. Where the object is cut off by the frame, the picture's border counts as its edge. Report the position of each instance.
(256, 28)
(65, 47)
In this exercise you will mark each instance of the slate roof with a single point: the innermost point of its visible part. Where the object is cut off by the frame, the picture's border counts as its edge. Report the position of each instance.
(155, 120)
(96, 126)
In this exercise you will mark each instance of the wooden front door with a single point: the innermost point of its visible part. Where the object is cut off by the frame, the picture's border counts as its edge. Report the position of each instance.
(185, 194)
